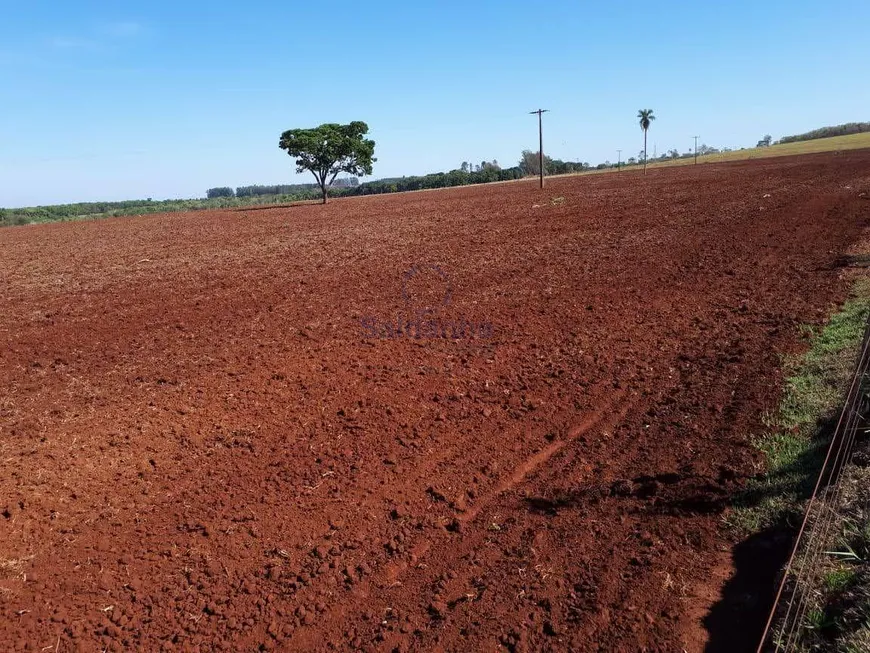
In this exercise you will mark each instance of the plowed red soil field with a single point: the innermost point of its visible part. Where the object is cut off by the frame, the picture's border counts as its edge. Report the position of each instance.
(488, 418)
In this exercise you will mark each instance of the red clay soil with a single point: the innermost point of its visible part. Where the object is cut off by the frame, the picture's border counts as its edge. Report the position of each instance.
(210, 439)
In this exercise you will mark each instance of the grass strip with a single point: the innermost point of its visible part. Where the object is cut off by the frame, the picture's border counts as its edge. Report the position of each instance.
(798, 433)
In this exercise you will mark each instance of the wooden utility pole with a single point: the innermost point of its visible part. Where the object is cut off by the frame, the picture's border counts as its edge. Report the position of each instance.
(696, 148)
(618, 160)
(540, 142)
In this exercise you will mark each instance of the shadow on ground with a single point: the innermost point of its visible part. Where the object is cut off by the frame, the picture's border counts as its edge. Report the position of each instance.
(736, 622)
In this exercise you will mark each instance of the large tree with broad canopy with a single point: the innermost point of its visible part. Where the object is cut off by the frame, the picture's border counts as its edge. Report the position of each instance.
(330, 149)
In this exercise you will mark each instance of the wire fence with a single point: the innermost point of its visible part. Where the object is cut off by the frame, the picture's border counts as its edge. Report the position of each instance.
(782, 632)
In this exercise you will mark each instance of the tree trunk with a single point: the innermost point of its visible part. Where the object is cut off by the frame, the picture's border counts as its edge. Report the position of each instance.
(325, 193)
(644, 151)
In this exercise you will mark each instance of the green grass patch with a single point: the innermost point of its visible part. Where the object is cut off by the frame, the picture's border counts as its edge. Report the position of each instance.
(797, 437)
(818, 620)
(839, 580)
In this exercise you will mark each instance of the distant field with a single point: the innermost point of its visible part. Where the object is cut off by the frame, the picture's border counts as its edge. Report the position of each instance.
(834, 144)
(850, 142)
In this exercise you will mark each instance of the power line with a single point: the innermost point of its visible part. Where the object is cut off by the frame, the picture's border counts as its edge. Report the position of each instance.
(540, 112)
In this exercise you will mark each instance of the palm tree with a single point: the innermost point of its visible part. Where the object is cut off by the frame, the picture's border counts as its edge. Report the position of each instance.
(646, 117)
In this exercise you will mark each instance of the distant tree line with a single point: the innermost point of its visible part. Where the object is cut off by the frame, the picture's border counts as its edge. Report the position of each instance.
(260, 190)
(828, 132)
(478, 167)
(223, 191)
(280, 189)
(85, 210)
(59, 212)
(467, 173)
(456, 177)
(530, 165)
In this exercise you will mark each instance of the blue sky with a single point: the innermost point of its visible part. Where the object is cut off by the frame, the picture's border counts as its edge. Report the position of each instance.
(108, 100)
